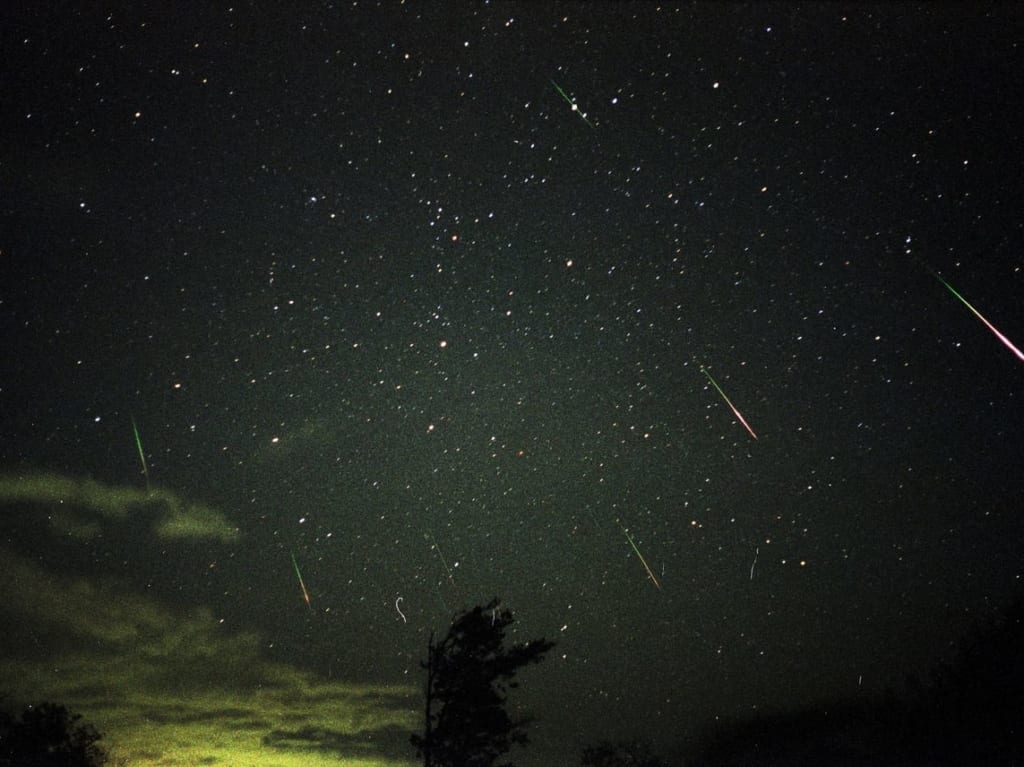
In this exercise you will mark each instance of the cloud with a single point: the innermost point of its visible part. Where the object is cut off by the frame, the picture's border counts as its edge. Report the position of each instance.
(71, 500)
(166, 684)
(75, 609)
(175, 687)
(290, 443)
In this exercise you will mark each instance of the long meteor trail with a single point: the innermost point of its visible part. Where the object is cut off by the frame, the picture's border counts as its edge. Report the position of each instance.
(1006, 341)
(736, 412)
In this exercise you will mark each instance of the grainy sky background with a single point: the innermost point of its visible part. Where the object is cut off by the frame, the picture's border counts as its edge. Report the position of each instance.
(438, 299)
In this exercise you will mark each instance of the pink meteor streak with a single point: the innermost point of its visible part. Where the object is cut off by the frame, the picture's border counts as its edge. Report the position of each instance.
(728, 402)
(1006, 341)
(742, 419)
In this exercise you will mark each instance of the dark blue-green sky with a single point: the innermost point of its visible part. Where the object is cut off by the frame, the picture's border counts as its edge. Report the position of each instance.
(375, 295)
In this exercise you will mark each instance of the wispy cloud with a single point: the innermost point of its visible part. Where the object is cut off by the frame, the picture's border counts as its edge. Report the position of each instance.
(71, 500)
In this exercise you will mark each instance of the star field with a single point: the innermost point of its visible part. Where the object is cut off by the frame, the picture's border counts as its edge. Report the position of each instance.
(626, 314)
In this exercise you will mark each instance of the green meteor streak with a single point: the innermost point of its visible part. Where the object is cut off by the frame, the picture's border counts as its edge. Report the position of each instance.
(736, 412)
(650, 573)
(573, 104)
(1005, 341)
(142, 455)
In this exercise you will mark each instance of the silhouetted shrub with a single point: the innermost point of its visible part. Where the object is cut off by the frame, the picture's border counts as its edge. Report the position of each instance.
(48, 735)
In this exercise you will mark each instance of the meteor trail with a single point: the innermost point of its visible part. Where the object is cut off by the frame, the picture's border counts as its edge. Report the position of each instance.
(1006, 341)
(142, 455)
(736, 412)
(573, 104)
(302, 584)
(437, 548)
(650, 573)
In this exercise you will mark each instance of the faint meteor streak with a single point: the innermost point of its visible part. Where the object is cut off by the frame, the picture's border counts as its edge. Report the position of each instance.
(736, 412)
(650, 573)
(142, 455)
(573, 104)
(1006, 341)
(451, 578)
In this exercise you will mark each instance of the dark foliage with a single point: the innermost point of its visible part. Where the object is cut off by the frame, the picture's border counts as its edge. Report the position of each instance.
(469, 674)
(48, 735)
(631, 754)
(972, 712)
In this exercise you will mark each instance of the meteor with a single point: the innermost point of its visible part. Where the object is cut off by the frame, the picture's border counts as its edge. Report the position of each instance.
(572, 103)
(142, 455)
(650, 573)
(1005, 341)
(736, 412)
(302, 584)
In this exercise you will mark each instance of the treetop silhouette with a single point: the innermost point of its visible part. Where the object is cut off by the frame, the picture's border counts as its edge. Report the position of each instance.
(469, 673)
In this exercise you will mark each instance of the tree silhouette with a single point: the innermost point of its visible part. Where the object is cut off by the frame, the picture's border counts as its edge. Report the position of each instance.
(48, 735)
(468, 675)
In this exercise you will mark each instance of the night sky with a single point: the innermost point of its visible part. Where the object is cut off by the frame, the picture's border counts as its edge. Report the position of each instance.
(451, 301)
